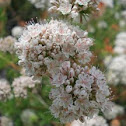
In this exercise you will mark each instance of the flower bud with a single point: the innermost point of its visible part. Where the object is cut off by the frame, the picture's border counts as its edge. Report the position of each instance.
(68, 89)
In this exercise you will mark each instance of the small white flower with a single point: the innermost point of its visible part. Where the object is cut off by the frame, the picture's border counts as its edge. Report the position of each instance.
(59, 79)
(68, 89)
(17, 31)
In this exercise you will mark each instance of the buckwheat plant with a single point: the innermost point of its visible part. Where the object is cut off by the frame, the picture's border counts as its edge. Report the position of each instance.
(62, 52)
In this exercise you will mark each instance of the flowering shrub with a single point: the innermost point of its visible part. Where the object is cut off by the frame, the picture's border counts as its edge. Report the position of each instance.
(61, 51)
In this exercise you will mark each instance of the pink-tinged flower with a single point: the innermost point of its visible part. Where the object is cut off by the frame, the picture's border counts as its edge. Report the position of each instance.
(97, 73)
(59, 79)
(85, 81)
(68, 49)
(65, 66)
(34, 30)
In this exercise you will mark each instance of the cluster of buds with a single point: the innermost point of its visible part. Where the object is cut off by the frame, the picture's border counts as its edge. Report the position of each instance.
(74, 8)
(78, 92)
(42, 48)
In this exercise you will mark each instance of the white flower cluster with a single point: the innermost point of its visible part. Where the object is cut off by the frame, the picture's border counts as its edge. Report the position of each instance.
(95, 121)
(20, 86)
(120, 43)
(74, 7)
(116, 72)
(122, 2)
(7, 44)
(78, 92)
(28, 117)
(42, 48)
(5, 121)
(102, 25)
(116, 111)
(40, 4)
(5, 90)
(108, 3)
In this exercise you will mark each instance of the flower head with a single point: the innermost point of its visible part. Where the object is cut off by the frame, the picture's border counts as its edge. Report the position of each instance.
(79, 92)
(73, 8)
(43, 47)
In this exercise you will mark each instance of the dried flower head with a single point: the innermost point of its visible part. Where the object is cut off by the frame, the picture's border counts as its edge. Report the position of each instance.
(79, 92)
(43, 47)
